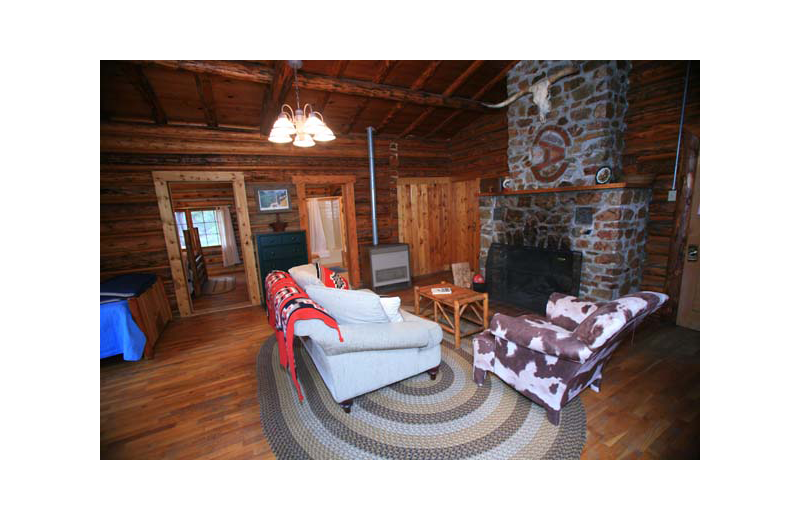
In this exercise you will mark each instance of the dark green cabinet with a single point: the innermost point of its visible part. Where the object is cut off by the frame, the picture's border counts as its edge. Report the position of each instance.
(280, 251)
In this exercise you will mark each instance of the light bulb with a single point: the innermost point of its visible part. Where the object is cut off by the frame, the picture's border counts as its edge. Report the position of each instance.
(303, 141)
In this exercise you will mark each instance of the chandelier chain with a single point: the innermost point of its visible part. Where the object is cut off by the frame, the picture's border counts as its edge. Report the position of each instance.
(296, 88)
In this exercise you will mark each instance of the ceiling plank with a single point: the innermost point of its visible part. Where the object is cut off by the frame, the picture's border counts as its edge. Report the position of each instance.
(274, 95)
(387, 66)
(341, 65)
(206, 94)
(500, 75)
(138, 79)
(320, 82)
(418, 84)
(452, 88)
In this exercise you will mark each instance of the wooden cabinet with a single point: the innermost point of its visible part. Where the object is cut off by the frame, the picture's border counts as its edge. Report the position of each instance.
(280, 251)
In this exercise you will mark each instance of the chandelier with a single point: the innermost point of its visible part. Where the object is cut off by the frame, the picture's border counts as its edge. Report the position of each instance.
(305, 124)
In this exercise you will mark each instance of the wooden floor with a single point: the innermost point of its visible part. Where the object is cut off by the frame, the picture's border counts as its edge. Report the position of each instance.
(197, 397)
(213, 301)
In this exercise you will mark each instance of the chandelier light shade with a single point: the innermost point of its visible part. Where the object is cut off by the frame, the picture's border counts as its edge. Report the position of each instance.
(305, 124)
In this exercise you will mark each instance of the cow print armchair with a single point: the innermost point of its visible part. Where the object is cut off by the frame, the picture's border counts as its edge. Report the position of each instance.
(552, 360)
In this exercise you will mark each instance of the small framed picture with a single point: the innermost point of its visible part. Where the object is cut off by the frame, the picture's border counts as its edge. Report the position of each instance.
(273, 200)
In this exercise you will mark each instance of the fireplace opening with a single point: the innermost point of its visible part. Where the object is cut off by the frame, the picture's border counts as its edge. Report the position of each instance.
(527, 276)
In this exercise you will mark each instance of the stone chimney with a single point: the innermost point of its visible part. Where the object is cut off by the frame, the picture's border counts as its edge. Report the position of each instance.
(582, 132)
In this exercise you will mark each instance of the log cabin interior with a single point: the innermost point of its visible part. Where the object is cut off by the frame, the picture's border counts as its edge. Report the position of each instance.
(244, 204)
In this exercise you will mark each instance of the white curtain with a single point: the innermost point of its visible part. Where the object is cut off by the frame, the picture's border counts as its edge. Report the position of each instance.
(319, 245)
(230, 251)
(329, 209)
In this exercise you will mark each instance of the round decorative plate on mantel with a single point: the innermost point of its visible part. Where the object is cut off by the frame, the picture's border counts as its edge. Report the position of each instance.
(603, 175)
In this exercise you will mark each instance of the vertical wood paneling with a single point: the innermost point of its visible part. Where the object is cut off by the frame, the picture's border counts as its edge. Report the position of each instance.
(437, 217)
(425, 229)
(465, 218)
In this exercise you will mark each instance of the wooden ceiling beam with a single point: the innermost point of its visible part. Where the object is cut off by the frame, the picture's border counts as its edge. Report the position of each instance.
(500, 75)
(450, 90)
(206, 94)
(148, 138)
(320, 82)
(225, 69)
(356, 87)
(274, 95)
(417, 85)
(139, 80)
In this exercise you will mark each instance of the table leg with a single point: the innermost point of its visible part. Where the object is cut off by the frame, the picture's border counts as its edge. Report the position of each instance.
(457, 325)
(416, 300)
(486, 311)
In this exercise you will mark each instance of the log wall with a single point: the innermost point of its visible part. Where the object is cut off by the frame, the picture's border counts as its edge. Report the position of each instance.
(655, 94)
(481, 149)
(131, 237)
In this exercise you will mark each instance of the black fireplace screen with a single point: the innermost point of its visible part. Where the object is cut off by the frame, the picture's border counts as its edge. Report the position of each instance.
(526, 276)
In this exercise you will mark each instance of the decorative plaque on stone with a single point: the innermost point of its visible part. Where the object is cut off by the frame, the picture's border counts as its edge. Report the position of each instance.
(548, 153)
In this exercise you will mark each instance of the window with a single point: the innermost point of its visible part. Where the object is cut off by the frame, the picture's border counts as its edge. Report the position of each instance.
(206, 223)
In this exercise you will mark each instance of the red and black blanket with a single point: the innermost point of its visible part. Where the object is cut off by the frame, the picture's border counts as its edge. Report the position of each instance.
(287, 303)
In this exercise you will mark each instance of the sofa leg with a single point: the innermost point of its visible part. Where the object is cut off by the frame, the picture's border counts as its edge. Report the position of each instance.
(432, 372)
(346, 405)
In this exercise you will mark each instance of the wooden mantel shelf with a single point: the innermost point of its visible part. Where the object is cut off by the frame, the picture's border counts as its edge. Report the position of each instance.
(503, 193)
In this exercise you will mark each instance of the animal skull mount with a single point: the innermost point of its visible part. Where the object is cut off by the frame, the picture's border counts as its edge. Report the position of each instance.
(540, 91)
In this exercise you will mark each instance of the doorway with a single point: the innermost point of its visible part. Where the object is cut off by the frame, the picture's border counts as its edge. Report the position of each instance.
(331, 187)
(193, 223)
(327, 230)
(210, 244)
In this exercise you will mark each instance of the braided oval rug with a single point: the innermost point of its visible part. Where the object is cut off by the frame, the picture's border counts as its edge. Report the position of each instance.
(448, 418)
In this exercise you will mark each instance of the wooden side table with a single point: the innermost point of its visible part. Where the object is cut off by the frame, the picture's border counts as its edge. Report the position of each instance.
(460, 303)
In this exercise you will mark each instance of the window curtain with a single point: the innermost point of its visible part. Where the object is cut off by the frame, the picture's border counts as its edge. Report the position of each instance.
(330, 219)
(230, 251)
(319, 244)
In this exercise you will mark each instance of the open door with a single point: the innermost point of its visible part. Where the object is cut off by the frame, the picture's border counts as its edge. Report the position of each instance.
(689, 301)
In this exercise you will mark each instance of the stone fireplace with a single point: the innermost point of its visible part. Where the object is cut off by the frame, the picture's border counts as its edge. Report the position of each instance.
(564, 148)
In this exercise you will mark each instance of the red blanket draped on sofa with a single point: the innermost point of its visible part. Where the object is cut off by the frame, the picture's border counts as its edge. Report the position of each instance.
(287, 303)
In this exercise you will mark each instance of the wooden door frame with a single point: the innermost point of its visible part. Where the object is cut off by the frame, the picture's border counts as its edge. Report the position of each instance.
(348, 200)
(690, 150)
(161, 180)
(683, 312)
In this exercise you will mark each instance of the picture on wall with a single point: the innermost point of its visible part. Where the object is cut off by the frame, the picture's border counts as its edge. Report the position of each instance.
(272, 200)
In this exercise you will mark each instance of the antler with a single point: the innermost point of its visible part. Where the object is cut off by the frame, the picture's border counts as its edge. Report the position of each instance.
(563, 73)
